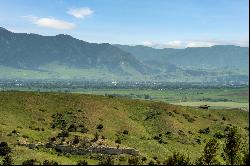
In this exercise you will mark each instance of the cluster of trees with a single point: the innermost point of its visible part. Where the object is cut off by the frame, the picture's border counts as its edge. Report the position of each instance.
(235, 152)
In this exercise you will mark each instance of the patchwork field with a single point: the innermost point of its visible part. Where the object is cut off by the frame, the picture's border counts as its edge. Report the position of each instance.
(155, 129)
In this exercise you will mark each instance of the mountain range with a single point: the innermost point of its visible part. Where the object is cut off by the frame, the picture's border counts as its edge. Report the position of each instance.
(33, 56)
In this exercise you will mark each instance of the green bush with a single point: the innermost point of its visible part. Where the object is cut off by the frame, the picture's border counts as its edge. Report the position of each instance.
(76, 140)
(152, 163)
(63, 134)
(125, 132)
(7, 160)
(47, 162)
(219, 135)
(107, 161)
(245, 159)
(177, 159)
(84, 130)
(82, 162)
(96, 137)
(134, 160)
(72, 128)
(99, 127)
(204, 131)
(118, 141)
(29, 162)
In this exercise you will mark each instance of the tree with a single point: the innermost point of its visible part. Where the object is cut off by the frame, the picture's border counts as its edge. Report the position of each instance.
(7, 160)
(209, 153)
(233, 146)
(177, 159)
(4, 149)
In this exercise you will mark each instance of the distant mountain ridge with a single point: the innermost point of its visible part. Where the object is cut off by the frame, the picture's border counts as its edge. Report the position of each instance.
(218, 56)
(28, 56)
(21, 50)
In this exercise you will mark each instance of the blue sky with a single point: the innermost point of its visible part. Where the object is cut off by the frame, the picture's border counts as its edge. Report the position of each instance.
(157, 23)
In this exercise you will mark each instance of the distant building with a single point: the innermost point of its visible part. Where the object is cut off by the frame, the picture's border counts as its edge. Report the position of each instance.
(204, 106)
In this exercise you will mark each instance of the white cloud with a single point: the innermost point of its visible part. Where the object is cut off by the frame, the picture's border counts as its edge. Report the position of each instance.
(80, 12)
(200, 44)
(148, 43)
(175, 44)
(50, 22)
(185, 44)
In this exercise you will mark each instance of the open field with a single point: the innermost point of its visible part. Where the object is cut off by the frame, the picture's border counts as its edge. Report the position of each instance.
(155, 129)
(218, 105)
(214, 97)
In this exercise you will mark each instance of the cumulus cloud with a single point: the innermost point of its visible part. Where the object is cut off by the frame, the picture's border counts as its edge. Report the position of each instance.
(80, 12)
(50, 22)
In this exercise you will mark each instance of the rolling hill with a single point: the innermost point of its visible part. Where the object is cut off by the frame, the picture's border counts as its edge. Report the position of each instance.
(155, 129)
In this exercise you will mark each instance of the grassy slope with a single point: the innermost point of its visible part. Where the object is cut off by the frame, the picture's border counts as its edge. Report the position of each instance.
(23, 111)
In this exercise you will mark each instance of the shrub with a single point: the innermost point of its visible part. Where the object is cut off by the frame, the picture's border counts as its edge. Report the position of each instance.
(14, 132)
(125, 132)
(219, 135)
(4, 149)
(204, 131)
(96, 137)
(107, 161)
(151, 163)
(144, 159)
(84, 130)
(134, 160)
(99, 127)
(233, 146)
(118, 141)
(82, 162)
(25, 136)
(63, 134)
(29, 162)
(188, 118)
(47, 162)
(72, 128)
(53, 139)
(245, 160)
(76, 140)
(177, 159)
(209, 153)
(7, 160)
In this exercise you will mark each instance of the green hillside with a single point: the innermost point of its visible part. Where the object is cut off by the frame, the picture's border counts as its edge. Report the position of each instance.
(156, 129)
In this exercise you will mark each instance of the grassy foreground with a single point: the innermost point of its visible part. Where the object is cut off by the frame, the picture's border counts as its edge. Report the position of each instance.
(156, 129)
